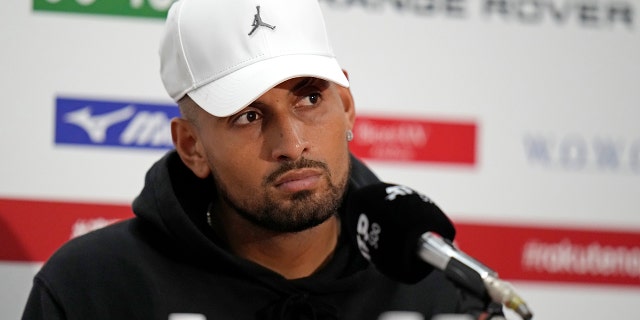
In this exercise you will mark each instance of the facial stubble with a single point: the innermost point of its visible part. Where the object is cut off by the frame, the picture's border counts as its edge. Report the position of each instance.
(302, 210)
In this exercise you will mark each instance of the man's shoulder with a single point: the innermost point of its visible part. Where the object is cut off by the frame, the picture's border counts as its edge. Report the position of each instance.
(99, 240)
(83, 253)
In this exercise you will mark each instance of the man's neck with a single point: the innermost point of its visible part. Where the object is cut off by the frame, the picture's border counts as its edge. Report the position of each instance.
(292, 255)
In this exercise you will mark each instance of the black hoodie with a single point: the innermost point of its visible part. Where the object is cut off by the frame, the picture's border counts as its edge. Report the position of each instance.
(167, 260)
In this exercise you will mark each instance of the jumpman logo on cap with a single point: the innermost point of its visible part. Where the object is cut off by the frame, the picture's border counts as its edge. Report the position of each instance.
(257, 22)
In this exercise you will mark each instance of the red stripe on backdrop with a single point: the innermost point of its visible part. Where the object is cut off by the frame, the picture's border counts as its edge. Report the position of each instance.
(554, 254)
(33, 230)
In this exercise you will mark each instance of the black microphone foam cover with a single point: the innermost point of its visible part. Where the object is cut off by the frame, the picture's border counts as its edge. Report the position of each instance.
(388, 221)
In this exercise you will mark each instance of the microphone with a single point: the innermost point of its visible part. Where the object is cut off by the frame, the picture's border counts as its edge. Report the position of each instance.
(405, 235)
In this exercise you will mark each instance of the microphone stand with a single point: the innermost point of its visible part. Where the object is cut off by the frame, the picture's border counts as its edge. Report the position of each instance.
(472, 274)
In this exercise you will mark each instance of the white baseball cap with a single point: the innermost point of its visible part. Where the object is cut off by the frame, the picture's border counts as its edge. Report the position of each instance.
(225, 54)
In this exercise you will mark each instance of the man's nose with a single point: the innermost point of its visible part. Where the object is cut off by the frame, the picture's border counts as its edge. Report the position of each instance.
(287, 139)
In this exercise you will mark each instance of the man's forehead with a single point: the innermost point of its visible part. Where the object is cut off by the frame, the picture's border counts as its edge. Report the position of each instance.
(294, 85)
(299, 83)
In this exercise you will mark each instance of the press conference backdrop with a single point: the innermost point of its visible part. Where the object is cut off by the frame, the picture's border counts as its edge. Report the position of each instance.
(518, 117)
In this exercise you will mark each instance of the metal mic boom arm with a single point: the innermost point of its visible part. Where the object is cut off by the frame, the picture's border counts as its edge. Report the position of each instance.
(470, 273)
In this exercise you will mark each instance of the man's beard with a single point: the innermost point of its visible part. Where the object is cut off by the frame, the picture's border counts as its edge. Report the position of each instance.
(305, 209)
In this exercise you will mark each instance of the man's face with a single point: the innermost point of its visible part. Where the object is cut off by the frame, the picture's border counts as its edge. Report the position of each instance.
(282, 163)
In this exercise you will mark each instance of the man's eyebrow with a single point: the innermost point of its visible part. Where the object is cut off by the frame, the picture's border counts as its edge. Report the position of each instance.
(303, 83)
(254, 104)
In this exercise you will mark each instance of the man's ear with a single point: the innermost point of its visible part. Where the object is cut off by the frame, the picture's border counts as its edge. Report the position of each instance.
(347, 102)
(189, 147)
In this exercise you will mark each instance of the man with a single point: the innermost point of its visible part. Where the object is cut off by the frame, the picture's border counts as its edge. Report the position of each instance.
(243, 219)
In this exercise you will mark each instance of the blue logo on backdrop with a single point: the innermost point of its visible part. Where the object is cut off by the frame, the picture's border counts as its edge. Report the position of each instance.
(114, 123)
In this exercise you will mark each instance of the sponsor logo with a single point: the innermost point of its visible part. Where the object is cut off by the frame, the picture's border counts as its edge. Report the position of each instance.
(451, 8)
(368, 235)
(594, 259)
(579, 153)
(257, 22)
(111, 123)
(133, 8)
(592, 14)
(414, 141)
(584, 13)
(554, 254)
(32, 230)
(395, 191)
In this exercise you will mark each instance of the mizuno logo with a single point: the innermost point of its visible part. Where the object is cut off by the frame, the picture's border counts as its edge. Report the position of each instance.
(108, 123)
(257, 22)
(96, 126)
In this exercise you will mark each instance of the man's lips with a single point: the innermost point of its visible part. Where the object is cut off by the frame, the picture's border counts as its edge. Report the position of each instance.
(298, 180)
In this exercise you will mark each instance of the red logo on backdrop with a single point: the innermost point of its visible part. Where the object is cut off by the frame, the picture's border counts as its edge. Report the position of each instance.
(414, 140)
(554, 254)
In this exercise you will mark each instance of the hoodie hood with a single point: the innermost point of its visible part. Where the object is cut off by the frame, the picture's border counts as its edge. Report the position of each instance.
(175, 201)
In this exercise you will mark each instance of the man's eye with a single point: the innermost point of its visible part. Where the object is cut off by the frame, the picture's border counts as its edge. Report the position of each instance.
(248, 117)
(311, 99)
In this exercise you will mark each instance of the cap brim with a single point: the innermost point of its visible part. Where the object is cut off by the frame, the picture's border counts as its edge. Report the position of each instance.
(233, 92)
